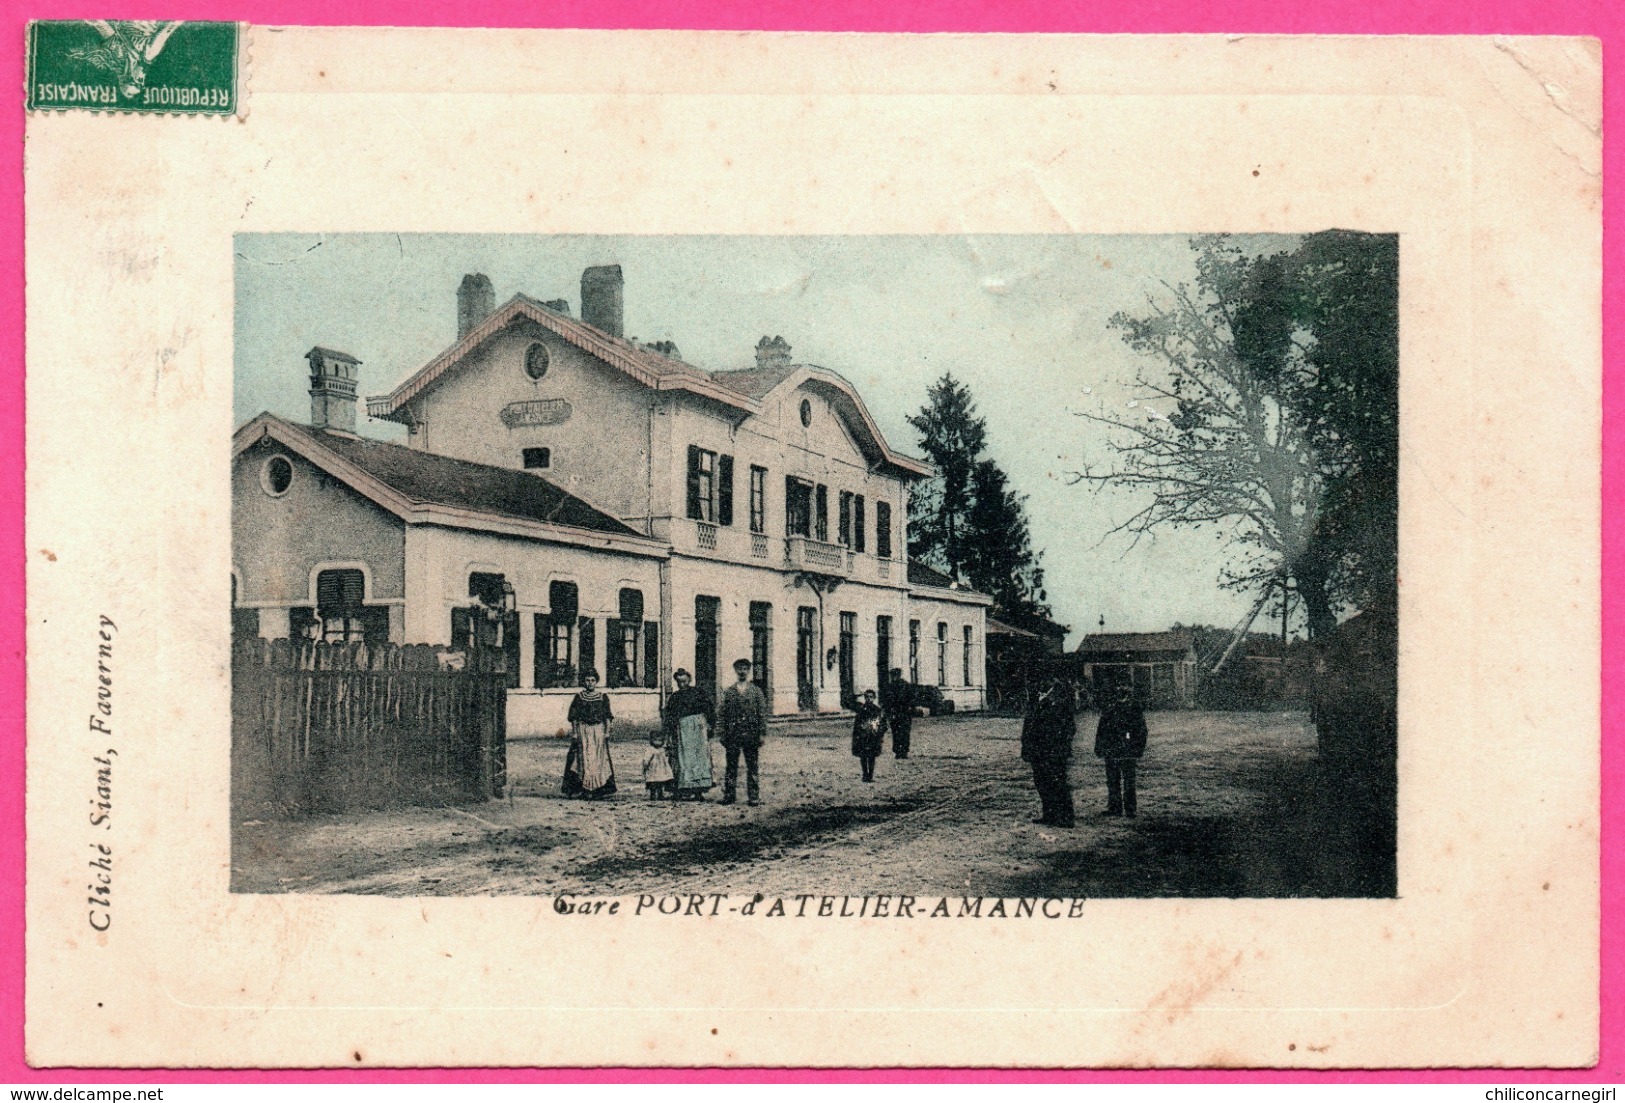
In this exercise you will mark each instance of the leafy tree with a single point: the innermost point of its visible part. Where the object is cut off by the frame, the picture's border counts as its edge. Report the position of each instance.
(1279, 377)
(1001, 560)
(953, 436)
(966, 521)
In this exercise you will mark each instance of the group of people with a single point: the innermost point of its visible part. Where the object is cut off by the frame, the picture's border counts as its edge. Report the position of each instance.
(677, 765)
(1047, 733)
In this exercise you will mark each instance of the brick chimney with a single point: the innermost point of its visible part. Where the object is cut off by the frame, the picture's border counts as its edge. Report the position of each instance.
(475, 302)
(601, 298)
(332, 389)
(772, 352)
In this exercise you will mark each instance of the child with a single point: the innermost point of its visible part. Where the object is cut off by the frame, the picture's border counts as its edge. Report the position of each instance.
(657, 774)
(867, 731)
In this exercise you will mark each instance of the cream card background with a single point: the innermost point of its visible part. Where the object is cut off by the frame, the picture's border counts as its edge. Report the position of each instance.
(1484, 155)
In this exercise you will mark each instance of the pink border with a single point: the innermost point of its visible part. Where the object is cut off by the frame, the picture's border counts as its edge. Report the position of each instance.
(1603, 19)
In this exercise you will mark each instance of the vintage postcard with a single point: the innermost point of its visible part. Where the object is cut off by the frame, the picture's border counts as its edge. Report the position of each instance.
(811, 550)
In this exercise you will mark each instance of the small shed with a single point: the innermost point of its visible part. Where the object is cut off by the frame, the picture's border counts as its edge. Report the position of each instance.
(1160, 667)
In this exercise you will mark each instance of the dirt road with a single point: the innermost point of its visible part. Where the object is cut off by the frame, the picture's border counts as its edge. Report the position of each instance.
(1224, 801)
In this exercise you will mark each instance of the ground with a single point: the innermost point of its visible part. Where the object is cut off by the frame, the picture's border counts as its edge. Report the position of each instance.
(1227, 808)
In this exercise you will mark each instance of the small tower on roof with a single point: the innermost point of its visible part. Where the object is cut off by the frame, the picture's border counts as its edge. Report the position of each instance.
(333, 378)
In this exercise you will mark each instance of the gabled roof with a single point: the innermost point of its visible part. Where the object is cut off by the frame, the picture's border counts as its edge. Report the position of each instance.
(331, 354)
(755, 383)
(997, 627)
(1178, 640)
(743, 391)
(643, 364)
(427, 488)
(759, 383)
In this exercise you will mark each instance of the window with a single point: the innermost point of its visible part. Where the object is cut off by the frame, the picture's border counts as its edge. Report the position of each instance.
(555, 637)
(883, 529)
(623, 648)
(914, 651)
(276, 476)
(882, 650)
(538, 459)
(797, 507)
(821, 512)
(758, 499)
(845, 522)
(710, 487)
(536, 360)
(761, 646)
(807, 665)
(942, 653)
(968, 679)
(858, 539)
(341, 612)
(806, 413)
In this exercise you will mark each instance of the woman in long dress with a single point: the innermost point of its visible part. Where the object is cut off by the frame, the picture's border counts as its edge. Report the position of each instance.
(588, 772)
(689, 716)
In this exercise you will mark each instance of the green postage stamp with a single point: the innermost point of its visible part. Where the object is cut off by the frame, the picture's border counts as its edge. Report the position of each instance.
(166, 67)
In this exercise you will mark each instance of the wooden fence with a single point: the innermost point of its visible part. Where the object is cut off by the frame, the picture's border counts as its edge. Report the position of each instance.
(337, 727)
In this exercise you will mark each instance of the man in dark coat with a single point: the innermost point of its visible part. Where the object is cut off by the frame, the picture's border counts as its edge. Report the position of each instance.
(742, 723)
(1120, 741)
(1046, 744)
(897, 702)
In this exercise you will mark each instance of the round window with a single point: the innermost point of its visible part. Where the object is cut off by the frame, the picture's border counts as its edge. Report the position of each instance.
(276, 476)
(536, 360)
(806, 412)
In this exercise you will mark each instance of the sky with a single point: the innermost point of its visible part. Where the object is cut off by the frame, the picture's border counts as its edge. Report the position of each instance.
(1022, 319)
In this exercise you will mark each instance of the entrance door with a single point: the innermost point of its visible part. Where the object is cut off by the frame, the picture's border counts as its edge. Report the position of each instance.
(848, 655)
(806, 659)
(707, 611)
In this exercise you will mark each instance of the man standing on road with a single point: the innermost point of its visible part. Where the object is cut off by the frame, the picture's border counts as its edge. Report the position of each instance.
(743, 724)
(1120, 741)
(897, 702)
(1046, 744)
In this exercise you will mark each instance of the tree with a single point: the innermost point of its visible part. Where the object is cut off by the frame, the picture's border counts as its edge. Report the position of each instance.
(1000, 560)
(1279, 377)
(952, 436)
(966, 521)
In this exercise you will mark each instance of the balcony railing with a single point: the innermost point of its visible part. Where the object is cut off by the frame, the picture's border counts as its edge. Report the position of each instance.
(758, 545)
(705, 535)
(808, 554)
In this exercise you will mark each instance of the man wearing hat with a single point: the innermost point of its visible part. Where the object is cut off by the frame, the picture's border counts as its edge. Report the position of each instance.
(1120, 741)
(742, 722)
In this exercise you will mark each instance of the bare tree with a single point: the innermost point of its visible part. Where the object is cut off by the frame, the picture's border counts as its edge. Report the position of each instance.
(1211, 438)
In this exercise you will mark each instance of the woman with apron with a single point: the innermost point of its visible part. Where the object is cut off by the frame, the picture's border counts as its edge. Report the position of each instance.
(689, 715)
(588, 772)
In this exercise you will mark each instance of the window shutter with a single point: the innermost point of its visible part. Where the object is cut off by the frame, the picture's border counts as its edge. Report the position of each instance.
(696, 509)
(725, 490)
(562, 601)
(462, 627)
(632, 605)
(588, 646)
(541, 663)
(337, 591)
(615, 674)
(821, 513)
(651, 654)
(858, 523)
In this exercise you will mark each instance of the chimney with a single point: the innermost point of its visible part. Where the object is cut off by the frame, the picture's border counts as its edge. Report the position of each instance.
(332, 389)
(475, 302)
(601, 298)
(772, 352)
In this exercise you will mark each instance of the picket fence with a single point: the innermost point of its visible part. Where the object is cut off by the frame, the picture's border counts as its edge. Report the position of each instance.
(341, 727)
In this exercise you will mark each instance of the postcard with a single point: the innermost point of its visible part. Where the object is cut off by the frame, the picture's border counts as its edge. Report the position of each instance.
(811, 550)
